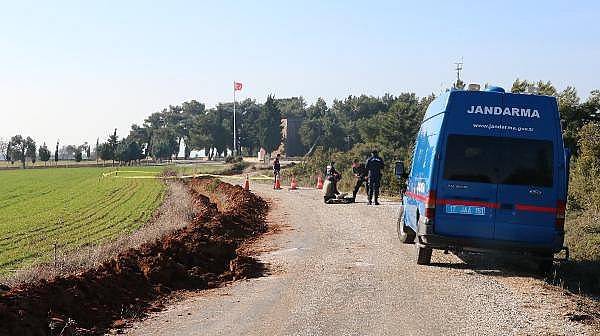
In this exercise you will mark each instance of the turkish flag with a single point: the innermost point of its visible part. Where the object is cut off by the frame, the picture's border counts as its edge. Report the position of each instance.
(237, 86)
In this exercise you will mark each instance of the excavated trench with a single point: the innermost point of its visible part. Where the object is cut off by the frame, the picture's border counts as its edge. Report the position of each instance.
(199, 256)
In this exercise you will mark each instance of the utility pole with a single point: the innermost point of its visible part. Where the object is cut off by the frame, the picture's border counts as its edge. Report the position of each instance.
(234, 128)
(237, 86)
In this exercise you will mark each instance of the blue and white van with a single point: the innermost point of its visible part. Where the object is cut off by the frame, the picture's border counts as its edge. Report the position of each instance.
(489, 172)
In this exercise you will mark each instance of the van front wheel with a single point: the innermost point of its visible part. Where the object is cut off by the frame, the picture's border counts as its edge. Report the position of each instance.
(405, 233)
(423, 255)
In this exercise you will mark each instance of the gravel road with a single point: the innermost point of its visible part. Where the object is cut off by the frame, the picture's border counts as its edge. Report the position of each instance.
(340, 270)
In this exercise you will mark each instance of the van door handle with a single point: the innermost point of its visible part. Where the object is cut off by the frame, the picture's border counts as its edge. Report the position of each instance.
(507, 206)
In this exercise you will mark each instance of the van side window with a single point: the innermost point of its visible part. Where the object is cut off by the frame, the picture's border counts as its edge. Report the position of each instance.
(499, 160)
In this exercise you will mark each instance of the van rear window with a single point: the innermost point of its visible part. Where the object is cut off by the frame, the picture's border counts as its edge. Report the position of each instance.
(499, 160)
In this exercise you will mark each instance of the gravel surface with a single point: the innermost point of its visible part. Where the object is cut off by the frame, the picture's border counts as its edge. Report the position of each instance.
(340, 270)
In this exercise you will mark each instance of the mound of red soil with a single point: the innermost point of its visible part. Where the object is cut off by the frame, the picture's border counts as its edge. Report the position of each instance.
(201, 255)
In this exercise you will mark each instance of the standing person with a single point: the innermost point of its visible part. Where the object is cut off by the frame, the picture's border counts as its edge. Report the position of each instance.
(276, 169)
(374, 166)
(361, 173)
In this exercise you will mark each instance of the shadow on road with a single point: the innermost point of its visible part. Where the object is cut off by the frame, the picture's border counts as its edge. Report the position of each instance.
(496, 265)
(579, 277)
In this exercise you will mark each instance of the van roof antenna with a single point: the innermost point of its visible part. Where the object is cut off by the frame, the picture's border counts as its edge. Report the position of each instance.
(459, 67)
(459, 83)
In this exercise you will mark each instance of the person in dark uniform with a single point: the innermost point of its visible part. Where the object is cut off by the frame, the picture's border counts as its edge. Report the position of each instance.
(374, 166)
(277, 168)
(360, 172)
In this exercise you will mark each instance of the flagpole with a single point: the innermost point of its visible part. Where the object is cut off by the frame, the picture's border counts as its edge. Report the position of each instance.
(234, 131)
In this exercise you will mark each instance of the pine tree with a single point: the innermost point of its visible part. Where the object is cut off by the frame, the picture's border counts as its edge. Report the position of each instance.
(44, 153)
(56, 153)
(113, 141)
(97, 146)
(269, 125)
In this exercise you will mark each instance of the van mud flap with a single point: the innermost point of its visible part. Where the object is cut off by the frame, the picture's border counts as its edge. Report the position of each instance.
(567, 255)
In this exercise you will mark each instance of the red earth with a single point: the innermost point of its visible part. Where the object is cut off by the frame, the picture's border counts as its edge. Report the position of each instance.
(199, 256)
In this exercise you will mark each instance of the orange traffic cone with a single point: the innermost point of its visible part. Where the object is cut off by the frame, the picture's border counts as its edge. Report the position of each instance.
(293, 184)
(277, 184)
(319, 182)
(247, 184)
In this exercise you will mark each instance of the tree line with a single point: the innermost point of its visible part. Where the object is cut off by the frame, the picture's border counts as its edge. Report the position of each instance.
(163, 133)
(388, 122)
(24, 149)
(190, 126)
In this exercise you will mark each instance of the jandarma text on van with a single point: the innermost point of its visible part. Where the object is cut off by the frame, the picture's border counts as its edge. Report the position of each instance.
(504, 127)
(510, 111)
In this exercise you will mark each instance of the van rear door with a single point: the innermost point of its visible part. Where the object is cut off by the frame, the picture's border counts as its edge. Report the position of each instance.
(466, 193)
(527, 203)
(528, 181)
(466, 188)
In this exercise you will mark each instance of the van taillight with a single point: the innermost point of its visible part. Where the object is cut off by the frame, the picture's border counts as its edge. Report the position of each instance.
(560, 215)
(430, 206)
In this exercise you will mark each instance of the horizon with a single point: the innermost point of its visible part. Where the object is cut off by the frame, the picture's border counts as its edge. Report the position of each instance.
(76, 71)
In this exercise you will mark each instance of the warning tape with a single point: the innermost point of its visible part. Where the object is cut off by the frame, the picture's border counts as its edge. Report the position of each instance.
(260, 177)
(114, 172)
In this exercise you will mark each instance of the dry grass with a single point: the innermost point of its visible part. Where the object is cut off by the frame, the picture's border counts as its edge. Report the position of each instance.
(581, 275)
(176, 212)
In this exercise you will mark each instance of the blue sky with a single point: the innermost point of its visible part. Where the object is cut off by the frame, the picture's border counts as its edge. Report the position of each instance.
(75, 70)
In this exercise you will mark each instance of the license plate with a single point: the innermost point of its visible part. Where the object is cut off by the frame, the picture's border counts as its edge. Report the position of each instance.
(465, 210)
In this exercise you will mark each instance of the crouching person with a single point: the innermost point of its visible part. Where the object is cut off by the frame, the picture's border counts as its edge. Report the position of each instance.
(332, 177)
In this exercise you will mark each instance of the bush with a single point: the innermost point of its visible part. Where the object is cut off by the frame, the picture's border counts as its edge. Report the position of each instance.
(584, 182)
(238, 167)
(583, 236)
(78, 155)
(234, 159)
(589, 149)
(584, 190)
(582, 229)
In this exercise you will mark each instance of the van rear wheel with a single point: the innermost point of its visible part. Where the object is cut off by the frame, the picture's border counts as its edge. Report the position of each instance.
(423, 255)
(405, 233)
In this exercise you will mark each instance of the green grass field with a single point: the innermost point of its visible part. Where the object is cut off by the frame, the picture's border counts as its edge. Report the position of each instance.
(73, 207)
(68, 207)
